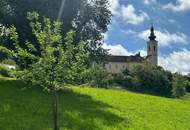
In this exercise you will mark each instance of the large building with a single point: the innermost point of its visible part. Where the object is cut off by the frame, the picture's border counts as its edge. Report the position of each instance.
(117, 64)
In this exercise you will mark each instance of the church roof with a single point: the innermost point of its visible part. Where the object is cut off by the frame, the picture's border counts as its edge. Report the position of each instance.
(126, 59)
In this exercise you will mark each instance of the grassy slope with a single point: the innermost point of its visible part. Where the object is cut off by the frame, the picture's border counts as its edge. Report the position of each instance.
(89, 109)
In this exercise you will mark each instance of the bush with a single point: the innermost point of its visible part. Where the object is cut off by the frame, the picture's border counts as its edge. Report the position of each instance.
(98, 77)
(179, 84)
(178, 91)
(188, 83)
(4, 71)
(119, 79)
(152, 80)
(156, 81)
(135, 83)
(188, 86)
(9, 62)
(126, 79)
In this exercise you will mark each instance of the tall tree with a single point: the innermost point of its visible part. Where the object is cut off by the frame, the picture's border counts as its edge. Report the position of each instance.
(57, 63)
(89, 18)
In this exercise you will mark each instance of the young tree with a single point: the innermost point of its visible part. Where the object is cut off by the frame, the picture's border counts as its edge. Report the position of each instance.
(57, 63)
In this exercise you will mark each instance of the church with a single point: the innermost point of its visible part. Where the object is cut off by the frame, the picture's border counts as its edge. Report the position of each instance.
(117, 64)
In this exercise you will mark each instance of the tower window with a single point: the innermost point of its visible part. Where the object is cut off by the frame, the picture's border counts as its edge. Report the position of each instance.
(154, 48)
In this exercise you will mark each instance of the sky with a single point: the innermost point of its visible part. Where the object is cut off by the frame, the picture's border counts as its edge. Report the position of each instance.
(130, 27)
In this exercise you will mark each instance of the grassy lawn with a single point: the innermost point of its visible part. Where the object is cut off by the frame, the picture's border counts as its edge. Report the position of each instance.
(90, 109)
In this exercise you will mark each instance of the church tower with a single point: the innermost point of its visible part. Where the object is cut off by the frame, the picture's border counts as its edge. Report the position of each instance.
(152, 49)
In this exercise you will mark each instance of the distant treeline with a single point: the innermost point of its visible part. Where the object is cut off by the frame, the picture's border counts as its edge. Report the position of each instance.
(154, 80)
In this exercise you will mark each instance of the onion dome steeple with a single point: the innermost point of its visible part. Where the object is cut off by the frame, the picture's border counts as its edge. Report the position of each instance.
(152, 36)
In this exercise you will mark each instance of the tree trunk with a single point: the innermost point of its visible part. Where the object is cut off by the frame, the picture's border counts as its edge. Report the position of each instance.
(55, 111)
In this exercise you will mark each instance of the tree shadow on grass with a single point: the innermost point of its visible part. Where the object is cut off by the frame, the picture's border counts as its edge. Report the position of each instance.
(31, 109)
(81, 112)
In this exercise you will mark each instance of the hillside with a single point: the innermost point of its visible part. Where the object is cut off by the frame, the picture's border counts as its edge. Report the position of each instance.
(83, 108)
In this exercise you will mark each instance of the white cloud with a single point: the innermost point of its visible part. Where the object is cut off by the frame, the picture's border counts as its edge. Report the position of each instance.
(180, 5)
(165, 38)
(130, 15)
(113, 6)
(147, 2)
(176, 62)
(172, 21)
(118, 49)
(143, 52)
(129, 32)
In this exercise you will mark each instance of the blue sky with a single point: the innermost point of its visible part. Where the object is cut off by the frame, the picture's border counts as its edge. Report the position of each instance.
(131, 21)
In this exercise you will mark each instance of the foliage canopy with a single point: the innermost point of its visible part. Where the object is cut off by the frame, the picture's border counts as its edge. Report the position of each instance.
(57, 63)
(89, 19)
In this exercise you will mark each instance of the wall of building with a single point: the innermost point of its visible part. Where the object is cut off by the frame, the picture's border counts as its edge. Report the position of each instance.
(118, 67)
(152, 52)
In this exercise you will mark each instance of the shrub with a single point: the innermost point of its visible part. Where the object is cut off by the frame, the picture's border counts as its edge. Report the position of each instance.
(4, 71)
(98, 77)
(125, 79)
(188, 86)
(135, 83)
(119, 79)
(179, 84)
(188, 83)
(178, 91)
(9, 62)
(153, 80)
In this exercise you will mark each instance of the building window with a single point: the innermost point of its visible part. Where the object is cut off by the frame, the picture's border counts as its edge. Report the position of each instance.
(154, 48)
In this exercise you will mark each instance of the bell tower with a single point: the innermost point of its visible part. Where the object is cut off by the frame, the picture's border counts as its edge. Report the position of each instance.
(152, 49)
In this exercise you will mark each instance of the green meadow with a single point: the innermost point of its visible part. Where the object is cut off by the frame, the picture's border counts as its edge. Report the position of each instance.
(85, 108)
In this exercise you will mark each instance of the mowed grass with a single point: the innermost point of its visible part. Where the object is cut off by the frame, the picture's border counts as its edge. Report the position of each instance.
(83, 108)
